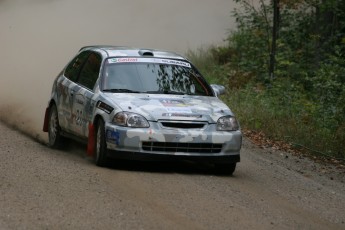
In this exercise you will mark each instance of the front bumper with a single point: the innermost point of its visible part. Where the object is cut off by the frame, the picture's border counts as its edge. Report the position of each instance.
(157, 143)
(143, 156)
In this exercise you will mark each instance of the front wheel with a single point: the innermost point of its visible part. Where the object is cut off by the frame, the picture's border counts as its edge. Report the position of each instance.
(101, 145)
(225, 168)
(54, 130)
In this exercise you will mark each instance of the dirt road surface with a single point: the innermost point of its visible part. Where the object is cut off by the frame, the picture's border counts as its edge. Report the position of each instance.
(42, 188)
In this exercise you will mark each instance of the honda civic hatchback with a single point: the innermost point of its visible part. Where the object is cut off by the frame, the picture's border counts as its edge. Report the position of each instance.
(141, 104)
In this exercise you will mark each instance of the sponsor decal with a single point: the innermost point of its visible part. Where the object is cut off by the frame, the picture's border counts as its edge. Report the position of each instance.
(172, 102)
(181, 115)
(175, 106)
(174, 62)
(118, 60)
(149, 60)
(105, 107)
(79, 101)
(113, 136)
(79, 121)
(178, 110)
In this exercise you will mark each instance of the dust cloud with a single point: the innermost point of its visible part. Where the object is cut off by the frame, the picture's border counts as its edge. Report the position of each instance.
(38, 37)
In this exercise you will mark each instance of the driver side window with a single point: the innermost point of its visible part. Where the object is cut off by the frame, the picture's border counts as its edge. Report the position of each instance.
(74, 67)
(90, 71)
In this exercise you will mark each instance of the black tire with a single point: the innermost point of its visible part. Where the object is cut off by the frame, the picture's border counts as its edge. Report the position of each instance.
(225, 169)
(101, 145)
(54, 130)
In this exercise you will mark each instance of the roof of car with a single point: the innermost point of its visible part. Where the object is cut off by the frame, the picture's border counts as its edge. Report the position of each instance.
(119, 51)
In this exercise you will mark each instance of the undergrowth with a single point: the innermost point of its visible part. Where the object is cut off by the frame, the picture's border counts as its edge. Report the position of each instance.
(283, 111)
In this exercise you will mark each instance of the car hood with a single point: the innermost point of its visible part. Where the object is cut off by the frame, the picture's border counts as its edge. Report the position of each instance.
(171, 107)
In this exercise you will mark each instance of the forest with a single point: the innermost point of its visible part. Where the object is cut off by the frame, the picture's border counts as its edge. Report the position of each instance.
(284, 70)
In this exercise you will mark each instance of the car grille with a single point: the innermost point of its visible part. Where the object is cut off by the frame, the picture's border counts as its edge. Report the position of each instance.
(183, 125)
(181, 147)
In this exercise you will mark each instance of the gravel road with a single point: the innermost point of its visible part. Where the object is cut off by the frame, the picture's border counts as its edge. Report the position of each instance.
(41, 188)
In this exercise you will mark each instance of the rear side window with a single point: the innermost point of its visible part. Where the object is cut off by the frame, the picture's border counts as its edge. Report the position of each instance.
(74, 67)
(90, 71)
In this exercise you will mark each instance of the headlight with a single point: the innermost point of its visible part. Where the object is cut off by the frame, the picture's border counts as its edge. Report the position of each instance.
(131, 120)
(227, 123)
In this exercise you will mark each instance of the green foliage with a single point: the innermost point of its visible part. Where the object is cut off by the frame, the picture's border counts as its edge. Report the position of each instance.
(307, 95)
(250, 43)
(305, 102)
(285, 113)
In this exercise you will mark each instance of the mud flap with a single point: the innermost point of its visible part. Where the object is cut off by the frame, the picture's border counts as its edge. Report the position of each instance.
(91, 140)
(46, 120)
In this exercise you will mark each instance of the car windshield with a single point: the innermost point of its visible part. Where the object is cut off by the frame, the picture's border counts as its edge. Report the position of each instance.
(152, 75)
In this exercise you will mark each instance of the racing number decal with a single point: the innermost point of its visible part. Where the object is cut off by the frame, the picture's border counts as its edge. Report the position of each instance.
(79, 118)
(79, 111)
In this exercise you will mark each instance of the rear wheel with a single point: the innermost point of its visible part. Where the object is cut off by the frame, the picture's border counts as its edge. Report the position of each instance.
(54, 130)
(101, 145)
(226, 168)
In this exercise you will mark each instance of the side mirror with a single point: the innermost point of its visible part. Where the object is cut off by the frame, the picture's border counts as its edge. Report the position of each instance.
(218, 89)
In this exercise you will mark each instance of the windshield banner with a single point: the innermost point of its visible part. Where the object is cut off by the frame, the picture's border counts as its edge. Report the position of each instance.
(149, 60)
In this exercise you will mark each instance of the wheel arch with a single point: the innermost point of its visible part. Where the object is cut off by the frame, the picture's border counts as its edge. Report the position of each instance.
(96, 119)
(51, 102)
(47, 113)
(91, 137)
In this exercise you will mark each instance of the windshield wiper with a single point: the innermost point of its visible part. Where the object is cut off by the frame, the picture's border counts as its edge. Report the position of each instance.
(121, 91)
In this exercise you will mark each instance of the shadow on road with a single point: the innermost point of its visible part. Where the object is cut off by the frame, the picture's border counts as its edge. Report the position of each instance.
(183, 167)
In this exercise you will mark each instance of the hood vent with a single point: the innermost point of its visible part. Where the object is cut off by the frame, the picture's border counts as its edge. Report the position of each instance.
(146, 53)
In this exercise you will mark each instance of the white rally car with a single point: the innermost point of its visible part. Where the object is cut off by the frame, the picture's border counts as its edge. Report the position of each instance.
(141, 104)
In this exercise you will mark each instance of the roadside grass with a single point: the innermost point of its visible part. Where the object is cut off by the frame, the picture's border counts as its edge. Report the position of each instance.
(282, 111)
(284, 122)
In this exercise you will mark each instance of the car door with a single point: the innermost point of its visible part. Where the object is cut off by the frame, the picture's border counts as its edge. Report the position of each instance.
(66, 86)
(82, 104)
